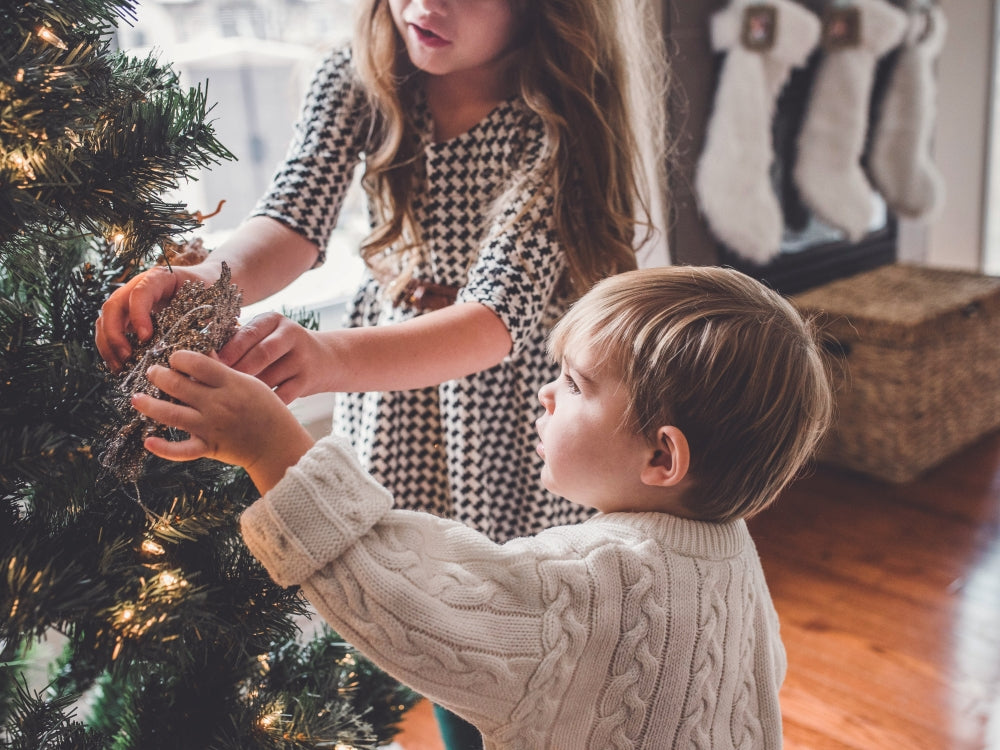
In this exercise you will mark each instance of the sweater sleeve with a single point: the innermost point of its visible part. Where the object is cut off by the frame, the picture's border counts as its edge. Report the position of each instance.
(318, 509)
(490, 631)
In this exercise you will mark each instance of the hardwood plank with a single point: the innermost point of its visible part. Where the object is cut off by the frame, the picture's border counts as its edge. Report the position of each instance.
(889, 597)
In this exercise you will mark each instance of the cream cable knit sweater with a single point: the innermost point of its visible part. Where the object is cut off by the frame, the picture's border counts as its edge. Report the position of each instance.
(632, 630)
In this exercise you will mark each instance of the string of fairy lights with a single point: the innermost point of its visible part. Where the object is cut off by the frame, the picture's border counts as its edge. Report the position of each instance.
(21, 161)
(18, 159)
(29, 164)
(133, 619)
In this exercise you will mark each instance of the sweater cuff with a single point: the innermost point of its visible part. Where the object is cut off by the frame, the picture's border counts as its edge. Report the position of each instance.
(320, 507)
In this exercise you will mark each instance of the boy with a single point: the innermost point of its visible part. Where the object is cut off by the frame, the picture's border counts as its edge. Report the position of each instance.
(688, 398)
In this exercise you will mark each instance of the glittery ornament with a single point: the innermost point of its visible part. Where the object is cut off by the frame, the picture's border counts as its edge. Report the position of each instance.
(183, 253)
(199, 318)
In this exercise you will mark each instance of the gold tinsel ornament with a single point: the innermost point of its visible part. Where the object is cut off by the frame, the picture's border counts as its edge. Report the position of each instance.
(199, 318)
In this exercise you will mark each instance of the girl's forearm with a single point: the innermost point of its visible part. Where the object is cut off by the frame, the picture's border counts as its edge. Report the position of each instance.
(428, 350)
(264, 256)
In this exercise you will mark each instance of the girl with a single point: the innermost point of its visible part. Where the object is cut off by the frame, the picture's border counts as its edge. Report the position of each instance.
(511, 153)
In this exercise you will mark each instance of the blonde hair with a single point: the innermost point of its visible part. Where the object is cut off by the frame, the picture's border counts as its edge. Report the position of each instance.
(595, 73)
(729, 362)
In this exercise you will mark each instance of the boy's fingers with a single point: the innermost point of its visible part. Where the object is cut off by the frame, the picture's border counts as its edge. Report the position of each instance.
(165, 412)
(188, 376)
(201, 367)
(182, 450)
(175, 383)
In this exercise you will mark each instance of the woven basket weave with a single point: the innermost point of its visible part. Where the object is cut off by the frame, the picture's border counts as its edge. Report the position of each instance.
(915, 354)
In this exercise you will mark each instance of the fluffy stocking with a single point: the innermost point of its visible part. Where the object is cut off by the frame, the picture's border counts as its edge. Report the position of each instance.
(900, 159)
(763, 42)
(828, 169)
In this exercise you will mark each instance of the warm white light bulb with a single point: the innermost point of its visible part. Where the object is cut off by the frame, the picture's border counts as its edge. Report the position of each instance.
(169, 580)
(23, 164)
(46, 34)
(118, 242)
(152, 548)
(267, 721)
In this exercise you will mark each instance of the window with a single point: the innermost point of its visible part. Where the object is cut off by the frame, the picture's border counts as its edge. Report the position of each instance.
(256, 58)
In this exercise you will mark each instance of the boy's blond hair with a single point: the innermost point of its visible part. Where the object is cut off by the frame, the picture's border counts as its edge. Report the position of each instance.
(729, 362)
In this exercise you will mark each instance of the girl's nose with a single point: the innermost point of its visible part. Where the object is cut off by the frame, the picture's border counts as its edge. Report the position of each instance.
(432, 6)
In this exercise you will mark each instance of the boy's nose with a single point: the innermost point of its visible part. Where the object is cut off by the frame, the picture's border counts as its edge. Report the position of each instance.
(545, 396)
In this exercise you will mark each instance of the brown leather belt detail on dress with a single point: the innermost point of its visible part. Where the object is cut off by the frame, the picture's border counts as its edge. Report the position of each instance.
(425, 296)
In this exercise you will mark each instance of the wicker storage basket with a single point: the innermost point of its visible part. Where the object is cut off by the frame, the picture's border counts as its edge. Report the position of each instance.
(916, 364)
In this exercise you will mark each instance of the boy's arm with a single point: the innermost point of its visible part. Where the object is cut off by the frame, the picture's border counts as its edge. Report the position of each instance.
(230, 416)
(462, 620)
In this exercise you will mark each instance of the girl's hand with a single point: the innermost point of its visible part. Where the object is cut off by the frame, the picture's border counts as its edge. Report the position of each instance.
(290, 359)
(230, 416)
(130, 308)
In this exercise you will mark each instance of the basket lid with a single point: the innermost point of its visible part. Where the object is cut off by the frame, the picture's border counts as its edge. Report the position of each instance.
(900, 304)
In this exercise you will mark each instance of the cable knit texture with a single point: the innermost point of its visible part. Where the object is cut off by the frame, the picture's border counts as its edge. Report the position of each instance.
(632, 630)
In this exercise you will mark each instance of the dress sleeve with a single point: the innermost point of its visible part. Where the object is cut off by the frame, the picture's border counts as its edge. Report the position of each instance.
(520, 262)
(308, 189)
(486, 630)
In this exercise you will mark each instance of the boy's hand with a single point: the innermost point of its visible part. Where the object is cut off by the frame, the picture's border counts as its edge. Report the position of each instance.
(230, 416)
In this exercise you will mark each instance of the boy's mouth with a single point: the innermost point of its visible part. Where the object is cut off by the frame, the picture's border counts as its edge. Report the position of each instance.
(539, 446)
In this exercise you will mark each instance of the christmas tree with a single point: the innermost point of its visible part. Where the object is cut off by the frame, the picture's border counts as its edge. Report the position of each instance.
(175, 636)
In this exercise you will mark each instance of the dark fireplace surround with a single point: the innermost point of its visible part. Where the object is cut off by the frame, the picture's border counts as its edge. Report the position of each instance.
(695, 70)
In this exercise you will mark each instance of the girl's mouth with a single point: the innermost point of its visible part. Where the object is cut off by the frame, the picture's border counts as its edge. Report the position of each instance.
(428, 37)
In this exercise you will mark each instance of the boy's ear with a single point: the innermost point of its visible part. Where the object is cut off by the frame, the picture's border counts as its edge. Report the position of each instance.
(670, 459)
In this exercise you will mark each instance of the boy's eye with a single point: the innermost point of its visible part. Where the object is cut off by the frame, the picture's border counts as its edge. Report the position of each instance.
(570, 383)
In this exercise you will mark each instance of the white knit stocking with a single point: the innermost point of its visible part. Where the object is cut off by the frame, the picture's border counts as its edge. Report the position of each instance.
(828, 169)
(732, 178)
(900, 161)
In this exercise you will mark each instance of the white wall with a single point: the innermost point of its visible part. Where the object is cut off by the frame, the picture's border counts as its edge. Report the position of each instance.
(955, 237)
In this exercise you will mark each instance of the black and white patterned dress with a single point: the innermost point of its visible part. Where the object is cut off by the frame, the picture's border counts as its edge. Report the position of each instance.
(466, 448)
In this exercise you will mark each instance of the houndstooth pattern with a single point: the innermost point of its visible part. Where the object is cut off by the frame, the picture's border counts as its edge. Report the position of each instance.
(465, 449)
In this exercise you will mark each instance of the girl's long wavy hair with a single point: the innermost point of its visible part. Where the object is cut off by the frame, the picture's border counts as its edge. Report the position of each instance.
(595, 72)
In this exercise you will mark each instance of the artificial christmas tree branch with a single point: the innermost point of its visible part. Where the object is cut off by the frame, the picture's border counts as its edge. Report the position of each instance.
(165, 614)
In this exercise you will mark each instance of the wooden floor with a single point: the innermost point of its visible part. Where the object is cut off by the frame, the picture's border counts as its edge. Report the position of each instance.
(889, 598)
